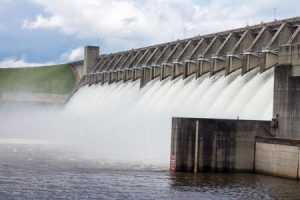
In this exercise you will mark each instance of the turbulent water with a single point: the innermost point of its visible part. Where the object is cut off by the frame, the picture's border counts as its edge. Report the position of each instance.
(113, 141)
(134, 124)
(122, 123)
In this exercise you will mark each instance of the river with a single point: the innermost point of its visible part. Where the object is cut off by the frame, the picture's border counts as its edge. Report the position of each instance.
(31, 170)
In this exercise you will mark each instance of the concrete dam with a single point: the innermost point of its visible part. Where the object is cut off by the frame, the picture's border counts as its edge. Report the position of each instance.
(227, 101)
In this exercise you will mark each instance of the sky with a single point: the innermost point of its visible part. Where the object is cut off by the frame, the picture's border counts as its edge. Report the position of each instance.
(42, 32)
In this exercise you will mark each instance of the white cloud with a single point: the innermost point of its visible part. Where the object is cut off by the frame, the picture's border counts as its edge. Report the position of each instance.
(43, 22)
(14, 63)
(129, 24)
(72, 55)
(68, 56)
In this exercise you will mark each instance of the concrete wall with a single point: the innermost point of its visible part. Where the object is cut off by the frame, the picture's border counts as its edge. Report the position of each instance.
(77, 68)
(215, 144)
(91, 55)
(286, 101)
(279, 157)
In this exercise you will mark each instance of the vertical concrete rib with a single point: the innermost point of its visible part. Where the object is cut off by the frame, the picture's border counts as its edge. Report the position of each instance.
(295, 34)
(122, 65)
(196, 147)
(253, 53)
(271, 50)
(100, 63)
(243, 37)
(116, 65)
(220, 58)
(169, 57)
(184, 51)
(162, 56)
(206, 64)
(103, 66)
(142, 58)
(209, 47)
(108, 66)
(275, 36)
(152, 56)
(198, 50)
(250, 48)
(134, 59)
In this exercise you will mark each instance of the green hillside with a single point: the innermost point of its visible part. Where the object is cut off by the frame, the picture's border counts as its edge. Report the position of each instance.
(57, 79)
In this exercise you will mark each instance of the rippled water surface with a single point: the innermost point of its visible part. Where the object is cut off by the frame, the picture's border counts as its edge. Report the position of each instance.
(42, 171)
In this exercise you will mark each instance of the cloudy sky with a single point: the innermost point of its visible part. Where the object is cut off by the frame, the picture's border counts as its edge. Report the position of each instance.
(34, 32)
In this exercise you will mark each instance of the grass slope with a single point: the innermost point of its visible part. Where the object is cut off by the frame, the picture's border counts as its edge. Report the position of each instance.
(57, 79)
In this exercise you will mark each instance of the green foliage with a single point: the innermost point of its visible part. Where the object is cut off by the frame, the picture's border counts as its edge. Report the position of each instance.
(57, 79)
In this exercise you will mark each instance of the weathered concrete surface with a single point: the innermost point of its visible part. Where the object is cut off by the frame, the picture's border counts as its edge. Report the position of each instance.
(278, 157)
(223, 145)
(77, 68)
(91, 57)
(286, 101)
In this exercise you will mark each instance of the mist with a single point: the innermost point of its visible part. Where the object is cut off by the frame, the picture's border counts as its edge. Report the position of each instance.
(121, 123)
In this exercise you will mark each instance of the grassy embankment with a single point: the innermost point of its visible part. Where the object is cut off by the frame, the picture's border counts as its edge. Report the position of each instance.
(57, 79)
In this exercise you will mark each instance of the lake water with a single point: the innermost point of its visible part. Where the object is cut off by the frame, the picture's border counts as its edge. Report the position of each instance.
(40, 171)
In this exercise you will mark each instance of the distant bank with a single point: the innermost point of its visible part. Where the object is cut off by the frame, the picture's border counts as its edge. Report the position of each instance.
(47, 84)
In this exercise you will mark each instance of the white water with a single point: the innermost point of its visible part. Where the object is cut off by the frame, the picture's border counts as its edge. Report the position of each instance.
(121, 122)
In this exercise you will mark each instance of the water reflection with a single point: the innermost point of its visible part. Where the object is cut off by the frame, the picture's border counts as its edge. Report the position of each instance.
(39, 171)
(235, 186)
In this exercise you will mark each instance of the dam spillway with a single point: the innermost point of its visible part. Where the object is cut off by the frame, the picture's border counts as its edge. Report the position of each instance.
(229, 86)
(244, 48)
(134, 124)
(249, 73)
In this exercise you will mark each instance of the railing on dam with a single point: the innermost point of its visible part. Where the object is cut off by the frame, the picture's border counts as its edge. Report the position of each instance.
(243, 48)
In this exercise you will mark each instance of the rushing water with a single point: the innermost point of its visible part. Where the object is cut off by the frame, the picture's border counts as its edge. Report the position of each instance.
(113, 141)
(132, 124)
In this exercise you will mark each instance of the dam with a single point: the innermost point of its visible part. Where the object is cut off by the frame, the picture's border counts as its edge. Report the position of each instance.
(233, 95)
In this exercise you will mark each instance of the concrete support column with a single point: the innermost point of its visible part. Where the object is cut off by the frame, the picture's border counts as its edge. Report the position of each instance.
(218, 64)
(121, 75)
(268, 60)
(191, 68)
(205, 66)
(128, 74)
(91, 56)
(196, 147)
(178, 70)
(145, 76)
(167, 70)
(251, 61)
(156, 72)
(137, 73)
(234, 62)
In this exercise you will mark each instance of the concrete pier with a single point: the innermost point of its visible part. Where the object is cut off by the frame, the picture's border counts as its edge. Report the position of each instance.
(223, 145)
(278, 157)
(218, 145)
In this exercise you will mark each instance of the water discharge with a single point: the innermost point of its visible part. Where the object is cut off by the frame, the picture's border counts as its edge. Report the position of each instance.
(122, 123)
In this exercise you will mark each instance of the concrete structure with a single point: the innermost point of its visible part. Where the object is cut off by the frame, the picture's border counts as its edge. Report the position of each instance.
(279, 157)
(77, 68)
(244, 48)
(287, 92)
(91, 54)
(215, 144)
(220, 145)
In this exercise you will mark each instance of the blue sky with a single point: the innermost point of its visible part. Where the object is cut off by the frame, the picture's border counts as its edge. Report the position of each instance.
(34, 32)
